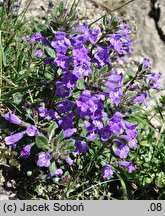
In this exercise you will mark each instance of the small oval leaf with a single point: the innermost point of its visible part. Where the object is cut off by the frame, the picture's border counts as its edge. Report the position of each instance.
(42, 142)
(52, 168)
(51, 130)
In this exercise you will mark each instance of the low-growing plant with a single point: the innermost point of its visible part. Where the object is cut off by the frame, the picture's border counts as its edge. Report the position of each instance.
(82, 120)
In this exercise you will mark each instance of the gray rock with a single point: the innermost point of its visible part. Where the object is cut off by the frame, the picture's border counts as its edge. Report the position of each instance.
(4, 197)
(146, 38)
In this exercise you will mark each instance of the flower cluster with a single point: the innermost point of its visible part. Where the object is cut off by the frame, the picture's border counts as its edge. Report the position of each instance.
(89, 99)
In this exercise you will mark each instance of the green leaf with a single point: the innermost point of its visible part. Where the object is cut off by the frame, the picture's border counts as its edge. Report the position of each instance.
(70, 145)
(40, 27)
(51, 130)
(80, 84)
(148, 180)
(17, 97)
(61, 8)
(140, 67)
(42, 142)
(52, 168)
(103, 70)
(59, 138)
(160, 180)
(49, 51)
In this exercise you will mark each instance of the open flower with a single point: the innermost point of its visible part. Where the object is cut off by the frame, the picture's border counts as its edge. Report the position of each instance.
(44, 160)
(122, 149)
(32, 131)
(107, 171)
(81, 147)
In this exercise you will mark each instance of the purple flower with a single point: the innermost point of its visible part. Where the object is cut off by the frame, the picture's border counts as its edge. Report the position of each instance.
(105, 133)
(51, 115)
(58, 173)
(122, 150)
(18, 4)
(12, 118)
(141, 98)
(32, 131)
(38, 53)
(88, 105)
(130, 126)
(116, 43)
(23, 38)
(116, 96)
(47, 114)
(125, 29)
(42, 111)
(91, 135)
(154, 77)
(93, 35)
(69, 79)
(69, 132)
(82, 103)
(102, 56)
(36, 37)
(129, 165)
(83, 69)
(47, 60)
(81, 147)
(89, 34)
(116, 123)
(114, 84)
(1, 4)
(65, 106)
(9, 140)
(60, 43)
(106, 171)
(121, 42)
(80, 54)
(154, 81)
(79, 42)
(133, 143)
(45, 41)
(132, 133)
(146, 63)
(62, 61)
(98, 124)
(115, 78)
(25, 153)
(44, 160)
(61, 89)
(69, 161)
(67, 121)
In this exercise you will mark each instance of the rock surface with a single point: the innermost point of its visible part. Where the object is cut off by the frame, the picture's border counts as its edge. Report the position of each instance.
(147, 39)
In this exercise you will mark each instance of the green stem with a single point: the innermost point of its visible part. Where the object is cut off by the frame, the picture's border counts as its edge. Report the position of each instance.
(111, 11)
(89, 166)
